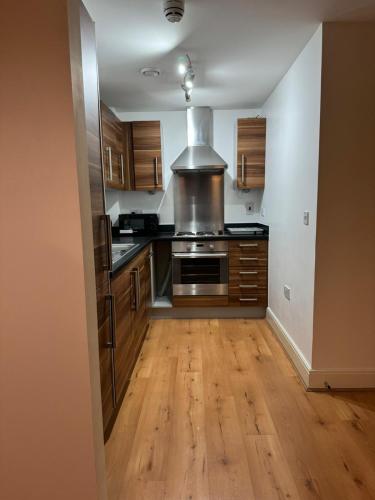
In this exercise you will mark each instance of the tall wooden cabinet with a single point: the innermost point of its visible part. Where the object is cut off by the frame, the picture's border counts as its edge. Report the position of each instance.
(100, 222)
(148, 169)
(251, 152)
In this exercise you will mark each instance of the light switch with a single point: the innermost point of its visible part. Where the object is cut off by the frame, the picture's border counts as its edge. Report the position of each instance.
(306, 218)
(287, 292)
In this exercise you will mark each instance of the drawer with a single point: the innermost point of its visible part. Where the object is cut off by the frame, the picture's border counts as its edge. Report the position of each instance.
(249, 300)
(248, 262)
(248, 276)
(248, 247)
(248, 288)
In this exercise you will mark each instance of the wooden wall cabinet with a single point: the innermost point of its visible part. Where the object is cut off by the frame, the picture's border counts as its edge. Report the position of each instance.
(148, 168)
(117, 150)
(132, 158)
(251, 152)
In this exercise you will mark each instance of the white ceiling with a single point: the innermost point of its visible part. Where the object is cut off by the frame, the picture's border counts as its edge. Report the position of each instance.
(240, 49)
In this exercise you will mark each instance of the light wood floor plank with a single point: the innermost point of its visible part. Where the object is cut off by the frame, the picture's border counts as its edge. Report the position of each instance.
(215, 411)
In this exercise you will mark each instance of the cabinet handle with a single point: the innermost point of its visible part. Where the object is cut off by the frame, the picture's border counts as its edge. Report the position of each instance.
(248, 286)
(137, 287)
(245, 245)
(108, 242)
(122, 168)
(243, 169)
(249, 300)
(249, 258)
(109, 149)
(112, 344)
(112, 320)
(248, 272)
(156, 172)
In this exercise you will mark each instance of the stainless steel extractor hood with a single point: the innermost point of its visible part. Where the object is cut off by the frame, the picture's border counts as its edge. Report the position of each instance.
(199, 156)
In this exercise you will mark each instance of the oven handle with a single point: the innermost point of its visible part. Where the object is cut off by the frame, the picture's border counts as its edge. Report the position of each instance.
(199, 255)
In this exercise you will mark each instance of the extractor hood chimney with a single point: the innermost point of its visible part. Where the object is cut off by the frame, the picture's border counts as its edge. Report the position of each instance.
(199, 156)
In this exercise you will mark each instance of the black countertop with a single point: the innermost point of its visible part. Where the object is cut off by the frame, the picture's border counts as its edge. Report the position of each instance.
(168, 235)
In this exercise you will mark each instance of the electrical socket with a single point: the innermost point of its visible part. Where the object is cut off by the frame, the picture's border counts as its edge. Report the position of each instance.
(250, 207)
(287, 292)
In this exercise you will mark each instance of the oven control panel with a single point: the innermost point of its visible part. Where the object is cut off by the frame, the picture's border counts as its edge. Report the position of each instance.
(199, 246)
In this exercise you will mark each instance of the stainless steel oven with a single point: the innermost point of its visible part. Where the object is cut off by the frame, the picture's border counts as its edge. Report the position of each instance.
(200, 267)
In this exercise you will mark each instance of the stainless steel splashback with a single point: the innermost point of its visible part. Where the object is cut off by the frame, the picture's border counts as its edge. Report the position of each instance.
(199, 201)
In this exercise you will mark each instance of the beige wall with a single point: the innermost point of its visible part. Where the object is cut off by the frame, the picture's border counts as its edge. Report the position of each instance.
(344, 315)
(47, 433)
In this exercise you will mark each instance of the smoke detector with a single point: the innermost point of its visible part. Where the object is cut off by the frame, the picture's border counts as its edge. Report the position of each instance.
(174, 10)
(150, 72)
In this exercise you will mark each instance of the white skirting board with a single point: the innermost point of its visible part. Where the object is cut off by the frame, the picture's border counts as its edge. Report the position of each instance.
(318, 379)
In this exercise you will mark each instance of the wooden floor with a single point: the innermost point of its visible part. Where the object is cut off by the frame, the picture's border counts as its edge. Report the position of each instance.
(216, 411)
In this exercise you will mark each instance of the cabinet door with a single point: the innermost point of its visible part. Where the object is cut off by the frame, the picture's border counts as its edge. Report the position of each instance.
(105, 356)
(90, 103)
(123, 356)
(148, 168)
(113, 149)
(251, 151)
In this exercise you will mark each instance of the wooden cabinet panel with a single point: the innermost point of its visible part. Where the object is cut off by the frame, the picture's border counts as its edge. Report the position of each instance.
(248, 264)
(239, 276)
(148, 168)
(249, 300)
(114, 152)
(130, 287)
(251, 152)
(122, 291)
(146, 135)
(105, 354)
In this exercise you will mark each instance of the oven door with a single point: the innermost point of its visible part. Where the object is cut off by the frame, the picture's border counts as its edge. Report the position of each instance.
(200, 273)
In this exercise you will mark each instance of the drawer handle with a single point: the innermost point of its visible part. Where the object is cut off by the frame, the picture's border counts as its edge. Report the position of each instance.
(244, 245)
(249, 258)
(248, 272)
(248, 286)
(249, 300)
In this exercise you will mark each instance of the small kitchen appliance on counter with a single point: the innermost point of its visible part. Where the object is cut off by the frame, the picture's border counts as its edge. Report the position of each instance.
(138, 224)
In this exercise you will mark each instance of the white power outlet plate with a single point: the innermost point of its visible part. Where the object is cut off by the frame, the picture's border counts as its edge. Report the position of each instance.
(287, 292)
(250, 207)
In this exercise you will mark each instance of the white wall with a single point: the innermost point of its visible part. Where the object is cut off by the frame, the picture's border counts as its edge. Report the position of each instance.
(174, 140)
(293, 120)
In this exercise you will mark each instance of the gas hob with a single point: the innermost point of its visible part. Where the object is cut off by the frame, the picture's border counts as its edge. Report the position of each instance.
(198, 234)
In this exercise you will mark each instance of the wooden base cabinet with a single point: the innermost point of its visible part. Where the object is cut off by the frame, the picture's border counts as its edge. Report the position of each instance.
(248, 273)
(131, 287)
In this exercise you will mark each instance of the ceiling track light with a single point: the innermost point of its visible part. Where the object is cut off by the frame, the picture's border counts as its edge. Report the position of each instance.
(185, 69)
